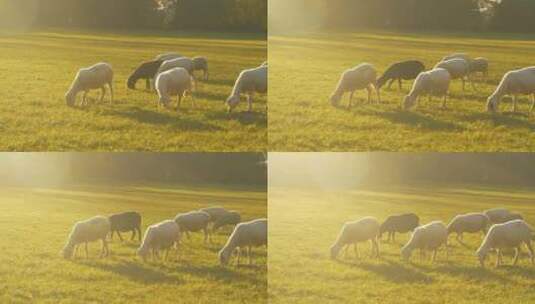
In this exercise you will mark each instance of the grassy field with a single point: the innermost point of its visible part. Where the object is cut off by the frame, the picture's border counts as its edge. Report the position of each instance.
(304, 70)
(305, 223)
(37, 68)
(36, 223)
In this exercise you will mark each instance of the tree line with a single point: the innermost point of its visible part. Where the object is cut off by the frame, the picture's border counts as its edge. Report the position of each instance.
(218, 15)
(476, 15)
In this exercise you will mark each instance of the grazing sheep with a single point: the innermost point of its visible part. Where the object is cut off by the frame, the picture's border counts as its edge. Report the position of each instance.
(182, 62)
(248, 82)
(435, 82)
(513, 83)
(427, 237)
(83, 232)
(507, 235)
(194, 221)
(363, 76)
(405, 70)
(147, 70)
(215, 213)
(458, 69)
(398, 223)
(177, 82)
(245, 235)
(230, 218)
(468, 223)
(160, 236)
(91, 78)
(497, 215)
(126, 221)
(480, 65)
(201, 64)
(355, 232)
(463, 56)
(167, 56)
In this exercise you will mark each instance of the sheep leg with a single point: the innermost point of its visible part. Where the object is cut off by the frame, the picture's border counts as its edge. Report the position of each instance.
(369, 94)
(120, 236)
(249, 255)
(205, 235)
(250, 102)
(356, 248)
(351, 100)
(499, 257)
(399, 84)
(84, 98)
(102, 93)
(238, 259)
(378, 94)
(133, 234)
(532, 103)
(444, 99)
(111, 92)
(514, 103)
(515, 258)
(86, 251)
(530, 249)
(178, 101)
(105, 247)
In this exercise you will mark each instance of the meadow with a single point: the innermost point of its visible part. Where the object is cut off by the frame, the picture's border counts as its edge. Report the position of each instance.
(36, 222)
(37, 68)
(305, 68)
(305, 223)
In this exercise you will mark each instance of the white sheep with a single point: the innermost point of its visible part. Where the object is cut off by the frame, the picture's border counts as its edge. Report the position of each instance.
(215, 213)
(513, 83)
(194, 221)
(468, 223)
(245, 235)
(365, 229)
(363, 76)
(83, 232)
(427, 237)
(463, 56)
(168, 56)
(497, 215)
(177, 82)
(458, 69)
(161, 236)
(249, 82)
(511, 234)
(91, 78)
(480, 65)
(435, 82)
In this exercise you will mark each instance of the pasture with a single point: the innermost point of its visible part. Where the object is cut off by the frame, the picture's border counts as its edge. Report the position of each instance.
(305, 68)
(305, 223)
(37, 68)
(36, 222)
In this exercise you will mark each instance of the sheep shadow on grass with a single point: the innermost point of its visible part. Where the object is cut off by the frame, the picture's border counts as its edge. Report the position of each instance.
(395, 272)
(506, 119)
(467, 272)
(418, 120)
(136, 271)
(245, 118)
(168, 118)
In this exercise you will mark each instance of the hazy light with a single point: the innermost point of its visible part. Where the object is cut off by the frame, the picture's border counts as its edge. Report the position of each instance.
(295, 15)
(17, 15)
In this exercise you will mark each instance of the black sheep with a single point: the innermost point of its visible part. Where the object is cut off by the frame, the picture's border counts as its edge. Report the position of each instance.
(231, 218)
(147, 70)
(124, 222)
(399, 223)
(406, 70)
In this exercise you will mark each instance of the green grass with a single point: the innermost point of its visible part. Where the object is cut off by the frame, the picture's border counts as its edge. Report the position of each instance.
(36, 223)
(304, 70)
(305, 223)
(37, 68)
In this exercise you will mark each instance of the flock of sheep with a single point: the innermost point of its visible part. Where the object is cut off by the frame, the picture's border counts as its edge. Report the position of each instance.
(436, 81)
(166, 235)
(170, 74)
(502, 229)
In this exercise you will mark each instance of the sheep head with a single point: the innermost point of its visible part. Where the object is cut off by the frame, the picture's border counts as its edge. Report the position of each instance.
(67, 251)
(131, 82)
(492, 103)
(408, 102)
(335, 249)
(70, 98)
(224, 256)
(232, 102)
(406, 253)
